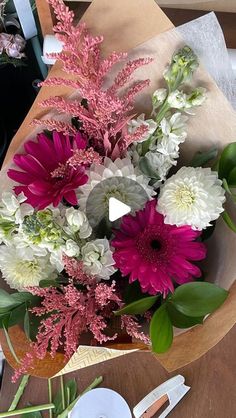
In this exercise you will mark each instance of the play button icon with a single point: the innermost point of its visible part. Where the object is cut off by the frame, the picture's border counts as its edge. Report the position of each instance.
(113, 198)
(117, 209)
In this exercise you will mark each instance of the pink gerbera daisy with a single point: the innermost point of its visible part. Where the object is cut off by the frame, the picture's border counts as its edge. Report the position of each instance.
(154, 253)
(46, 178)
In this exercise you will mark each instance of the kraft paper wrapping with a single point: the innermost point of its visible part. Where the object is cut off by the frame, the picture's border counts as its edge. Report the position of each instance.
(125, 25)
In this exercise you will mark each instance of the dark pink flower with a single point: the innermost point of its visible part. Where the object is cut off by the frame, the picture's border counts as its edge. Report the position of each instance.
(46, 177)
(154, 253)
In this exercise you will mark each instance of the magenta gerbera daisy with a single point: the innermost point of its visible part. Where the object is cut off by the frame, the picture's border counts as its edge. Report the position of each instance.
(156, 254)
(46, 177)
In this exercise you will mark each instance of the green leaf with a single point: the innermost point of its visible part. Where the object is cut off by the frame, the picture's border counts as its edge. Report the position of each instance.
(10, 346)
(198, 298)
(27, 324)
(7, 301)
(180, 320)
(202, 158)
(229, 222)
(138, 307)
(71, 389)
(22, 297)
(36, 414)
(47, 283)
(161, 330)
(232, 178)
(227, 161)
(17, 315)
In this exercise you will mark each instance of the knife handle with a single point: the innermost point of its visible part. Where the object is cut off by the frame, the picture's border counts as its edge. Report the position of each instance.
(155, 407)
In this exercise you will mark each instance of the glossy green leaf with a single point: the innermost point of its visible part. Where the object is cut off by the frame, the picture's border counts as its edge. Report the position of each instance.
(180, 320)
(232, 178)
(202, 158)
(198, 298)
(227, 161)
(71, 390)
(47, 283)
(229, 221)
(21, 297)
(138, 307)
(36, 414)
(7, 301)
(161, 330)
(27, 324)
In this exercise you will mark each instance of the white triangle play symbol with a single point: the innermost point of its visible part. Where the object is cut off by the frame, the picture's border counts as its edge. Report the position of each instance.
(117, 209)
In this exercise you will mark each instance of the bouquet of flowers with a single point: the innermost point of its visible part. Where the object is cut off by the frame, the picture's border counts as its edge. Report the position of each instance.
(72, 268)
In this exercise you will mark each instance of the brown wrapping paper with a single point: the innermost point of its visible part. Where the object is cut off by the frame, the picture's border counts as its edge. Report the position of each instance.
(125, 25)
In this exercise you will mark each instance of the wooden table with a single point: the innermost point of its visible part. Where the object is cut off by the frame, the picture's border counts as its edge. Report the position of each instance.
(212, 381)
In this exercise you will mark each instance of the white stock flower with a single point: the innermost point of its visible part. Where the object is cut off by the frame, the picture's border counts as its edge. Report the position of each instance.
(158, 97)
(78, 222)
(97, 259)
(192, 196)
(177, 99)
(165, 150)
(133, 124)
(22, 271)
(13, 208)
(196, 98)
(71, 248)
(161, 164)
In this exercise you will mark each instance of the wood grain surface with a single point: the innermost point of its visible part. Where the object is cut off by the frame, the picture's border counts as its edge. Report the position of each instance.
(212, 381)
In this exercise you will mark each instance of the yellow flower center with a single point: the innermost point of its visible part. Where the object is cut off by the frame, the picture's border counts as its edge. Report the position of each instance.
(184, 196)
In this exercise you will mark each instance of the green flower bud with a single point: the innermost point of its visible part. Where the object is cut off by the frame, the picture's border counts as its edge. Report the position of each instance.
(182, 66)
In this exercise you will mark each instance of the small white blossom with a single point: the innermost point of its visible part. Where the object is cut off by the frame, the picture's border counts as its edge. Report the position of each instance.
(192, 196)
(13, 207)
(97, 259)
(158, 97)
(78, 222)
(160, 163)
(71, 248)
(23, 270)
(196, 98)
(133, 124)
(177, 99)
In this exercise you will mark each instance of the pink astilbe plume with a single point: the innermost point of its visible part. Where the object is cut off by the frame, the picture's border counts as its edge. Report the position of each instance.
(132, 327)
(107, 111)
(69, 314)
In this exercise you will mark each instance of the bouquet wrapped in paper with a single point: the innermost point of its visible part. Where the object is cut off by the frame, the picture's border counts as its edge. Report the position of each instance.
(148, 130)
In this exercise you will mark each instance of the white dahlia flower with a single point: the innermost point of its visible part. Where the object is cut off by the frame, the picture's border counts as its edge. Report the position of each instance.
(192, 196)
(97, 259)
(21, 272)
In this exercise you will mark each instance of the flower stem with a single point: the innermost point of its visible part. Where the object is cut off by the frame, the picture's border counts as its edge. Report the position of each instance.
(50, 397)
(94, 384)
(62, 392)
(19, 393)
(40, 408)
